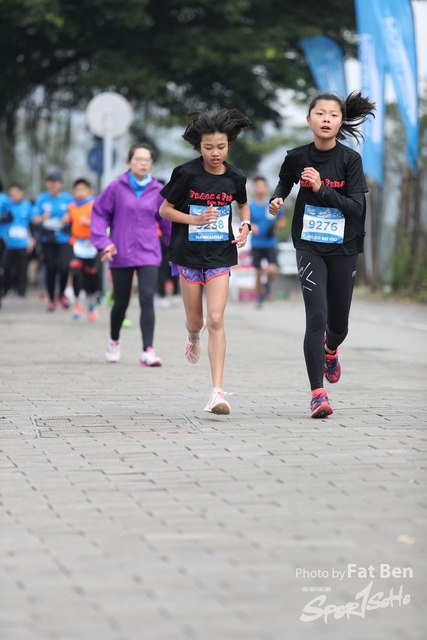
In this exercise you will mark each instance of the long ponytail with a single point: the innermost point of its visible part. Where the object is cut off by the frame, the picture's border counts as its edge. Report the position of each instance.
(357, 111)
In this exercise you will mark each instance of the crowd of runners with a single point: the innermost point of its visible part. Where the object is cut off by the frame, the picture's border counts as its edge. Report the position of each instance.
(147, 231)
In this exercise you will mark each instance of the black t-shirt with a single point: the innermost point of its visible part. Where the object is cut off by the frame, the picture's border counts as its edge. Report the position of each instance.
(190, 185)
(343, 188)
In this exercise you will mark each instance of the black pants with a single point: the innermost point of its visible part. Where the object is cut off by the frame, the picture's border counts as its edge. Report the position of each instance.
(2, 258)
(57, 259)
(15, 271)
(85, 275)
(122, 288)
(165, 274)
(327, 284)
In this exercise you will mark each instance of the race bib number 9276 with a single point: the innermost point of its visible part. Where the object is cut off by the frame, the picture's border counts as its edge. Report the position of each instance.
(322, 224)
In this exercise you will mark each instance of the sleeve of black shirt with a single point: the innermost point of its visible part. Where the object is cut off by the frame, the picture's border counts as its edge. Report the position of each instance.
(173, 191)
(287, 179)
(351, 206)
(241, 195)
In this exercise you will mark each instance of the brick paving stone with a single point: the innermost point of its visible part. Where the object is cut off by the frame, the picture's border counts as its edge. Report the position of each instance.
(128, 513)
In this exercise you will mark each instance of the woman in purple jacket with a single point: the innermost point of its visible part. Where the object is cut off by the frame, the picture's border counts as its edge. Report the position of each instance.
(129, 207)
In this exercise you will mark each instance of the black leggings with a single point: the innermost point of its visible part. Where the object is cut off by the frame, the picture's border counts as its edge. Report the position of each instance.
(165, 274)
(122, 288)
(327, 284)
(15, 270)
(85, 275)
(57, 258)
(2, 258)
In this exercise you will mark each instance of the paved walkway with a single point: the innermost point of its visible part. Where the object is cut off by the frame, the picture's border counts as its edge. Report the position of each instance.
(130, 514)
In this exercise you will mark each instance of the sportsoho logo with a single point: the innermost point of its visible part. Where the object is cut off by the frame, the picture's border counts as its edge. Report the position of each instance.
(364, 600)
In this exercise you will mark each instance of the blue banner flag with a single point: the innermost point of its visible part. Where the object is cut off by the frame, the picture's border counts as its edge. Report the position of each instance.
(396, 23)
(326, 62)
(372, 66)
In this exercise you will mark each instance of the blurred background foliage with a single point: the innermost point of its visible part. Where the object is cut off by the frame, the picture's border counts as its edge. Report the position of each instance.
(165, 56)
(171, 56)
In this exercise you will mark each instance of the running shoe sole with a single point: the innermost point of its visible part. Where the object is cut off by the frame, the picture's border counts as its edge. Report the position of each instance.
(220, 409)
(322, 411)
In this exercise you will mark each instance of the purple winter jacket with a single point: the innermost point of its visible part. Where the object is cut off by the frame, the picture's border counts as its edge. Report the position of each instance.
(133, 223)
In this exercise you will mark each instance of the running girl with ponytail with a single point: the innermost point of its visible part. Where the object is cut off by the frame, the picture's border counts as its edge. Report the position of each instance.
(327, 230)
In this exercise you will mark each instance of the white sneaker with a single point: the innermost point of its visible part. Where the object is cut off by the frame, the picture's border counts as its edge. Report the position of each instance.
(69, 293)
(149, 359)
(217, 404)
(113, 351)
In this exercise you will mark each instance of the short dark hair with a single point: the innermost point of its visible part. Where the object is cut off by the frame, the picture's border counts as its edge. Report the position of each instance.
(228, 121)
(82, 181)
(16, 185)
(140, 145)
(260, 179)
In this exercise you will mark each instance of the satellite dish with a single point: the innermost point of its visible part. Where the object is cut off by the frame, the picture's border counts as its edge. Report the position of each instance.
(109, 113)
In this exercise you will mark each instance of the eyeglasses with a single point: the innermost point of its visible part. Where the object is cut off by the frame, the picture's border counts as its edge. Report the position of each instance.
(142, 160)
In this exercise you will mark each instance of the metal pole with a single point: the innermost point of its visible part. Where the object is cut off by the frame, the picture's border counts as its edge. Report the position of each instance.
(106, 178)
(108, 149)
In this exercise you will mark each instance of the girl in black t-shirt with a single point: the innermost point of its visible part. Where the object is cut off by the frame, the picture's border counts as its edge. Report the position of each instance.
(202, 249)
(327, 230)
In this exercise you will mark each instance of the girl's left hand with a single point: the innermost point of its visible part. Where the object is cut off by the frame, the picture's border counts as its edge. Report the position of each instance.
(312, 176)
(242, 237)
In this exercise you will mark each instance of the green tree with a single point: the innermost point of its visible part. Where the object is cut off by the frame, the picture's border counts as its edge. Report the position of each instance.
(408, 270)
(172, 54)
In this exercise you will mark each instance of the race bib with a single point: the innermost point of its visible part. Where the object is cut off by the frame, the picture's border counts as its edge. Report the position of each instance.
(53, 224)
(84, 249)
(321, 224)
(216, 231)
(18, 233)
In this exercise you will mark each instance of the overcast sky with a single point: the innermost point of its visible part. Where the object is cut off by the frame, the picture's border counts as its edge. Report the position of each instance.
(420, 20)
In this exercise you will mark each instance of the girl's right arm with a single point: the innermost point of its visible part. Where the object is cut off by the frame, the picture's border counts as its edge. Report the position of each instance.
(287, 179)
(274, 206)
(167, 210)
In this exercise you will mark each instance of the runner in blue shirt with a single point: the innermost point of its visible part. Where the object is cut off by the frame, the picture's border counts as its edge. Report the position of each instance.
(49, 210)
(18, 241)
(264, 239)
(5, 219)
